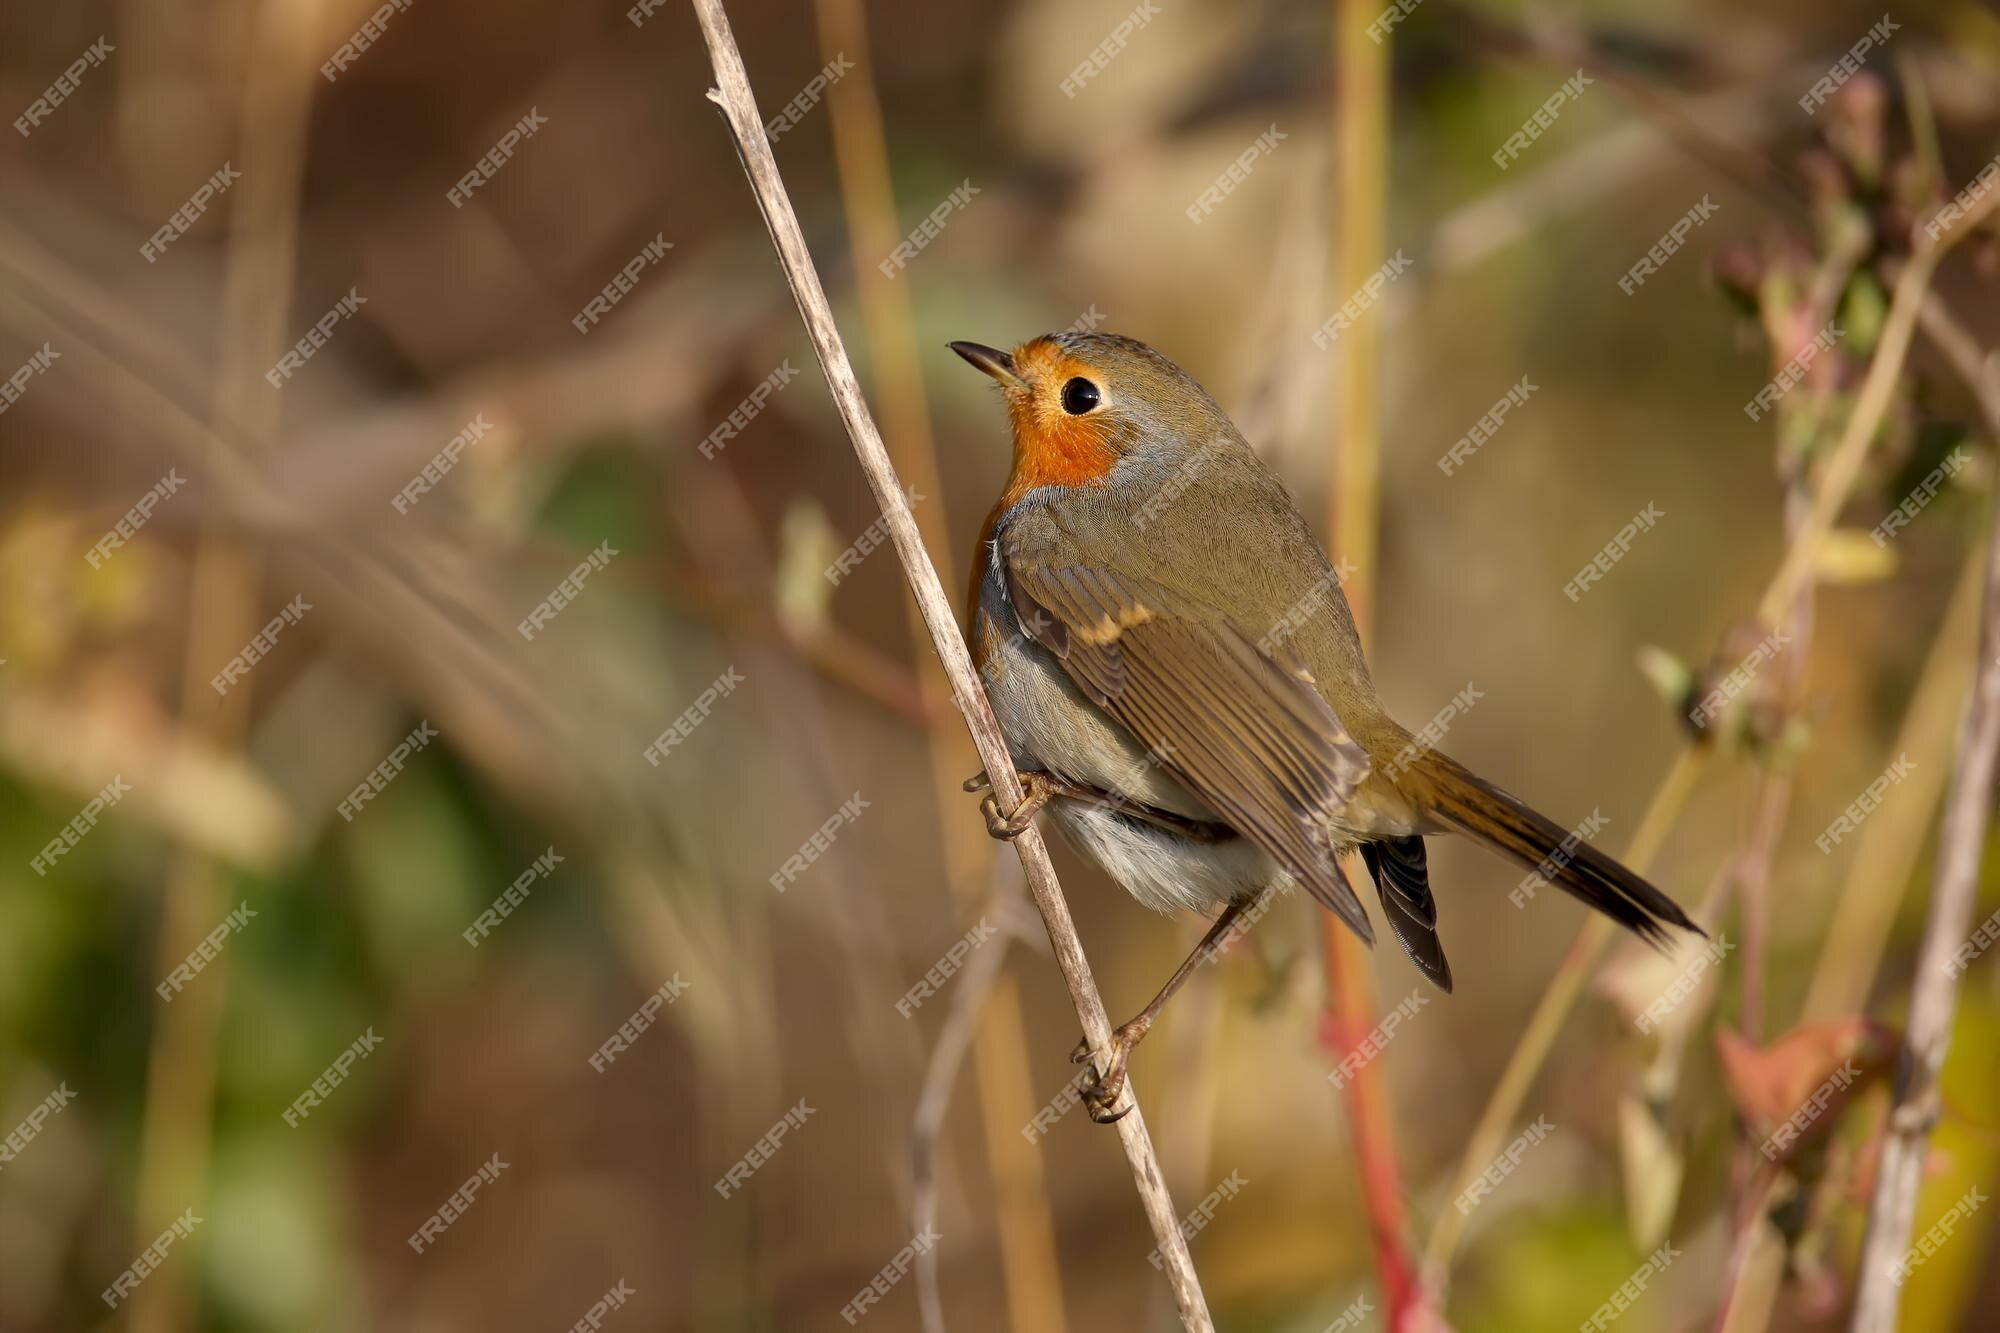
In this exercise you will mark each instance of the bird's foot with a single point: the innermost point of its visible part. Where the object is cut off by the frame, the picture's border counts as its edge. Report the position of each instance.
(1038, 789)
(1105, 1086)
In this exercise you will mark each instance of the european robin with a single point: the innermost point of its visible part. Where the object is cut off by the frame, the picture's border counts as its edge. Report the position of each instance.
(1175, 668)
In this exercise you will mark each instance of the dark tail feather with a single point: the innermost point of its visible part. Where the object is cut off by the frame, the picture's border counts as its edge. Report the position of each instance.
(1403, 879)
(1488, 815)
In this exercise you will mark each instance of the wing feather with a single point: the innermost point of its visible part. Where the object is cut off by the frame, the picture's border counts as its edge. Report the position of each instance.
(1241, 727)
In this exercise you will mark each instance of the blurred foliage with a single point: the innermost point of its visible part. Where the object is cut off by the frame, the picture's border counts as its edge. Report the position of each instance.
(720, 564)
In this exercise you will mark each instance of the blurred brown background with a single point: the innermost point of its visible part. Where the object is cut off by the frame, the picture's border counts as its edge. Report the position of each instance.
(284, 490)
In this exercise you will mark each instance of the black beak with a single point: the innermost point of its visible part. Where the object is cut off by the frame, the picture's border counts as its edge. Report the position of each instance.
(991, 360)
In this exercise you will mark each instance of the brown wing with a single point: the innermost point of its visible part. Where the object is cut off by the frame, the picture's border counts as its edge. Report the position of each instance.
(1239, 727)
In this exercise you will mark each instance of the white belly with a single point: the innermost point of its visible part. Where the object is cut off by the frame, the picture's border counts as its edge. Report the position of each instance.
(1163, 870)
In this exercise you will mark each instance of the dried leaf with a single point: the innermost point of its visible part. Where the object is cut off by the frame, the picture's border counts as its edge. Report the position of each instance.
(1792, 1092)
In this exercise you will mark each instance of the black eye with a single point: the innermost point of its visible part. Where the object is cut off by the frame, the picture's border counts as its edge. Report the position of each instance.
(1079, 396)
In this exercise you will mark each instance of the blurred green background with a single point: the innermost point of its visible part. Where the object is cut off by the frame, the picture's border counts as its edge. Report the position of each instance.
(666, 873)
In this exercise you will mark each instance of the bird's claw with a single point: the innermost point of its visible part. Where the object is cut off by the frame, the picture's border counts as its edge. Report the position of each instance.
(1102, 1090)
(1006, 827)
(1036, 790)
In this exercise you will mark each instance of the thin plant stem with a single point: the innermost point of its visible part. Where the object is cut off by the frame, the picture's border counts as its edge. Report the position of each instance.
(176, 1134)
(1033, 1273)
(733, 94)
(1360, 140)
(1836, 483)
(1871, 892)
(1934, 992)
(1843, 467)
(1495, 1123)
(959, 1030)
(1876, 880)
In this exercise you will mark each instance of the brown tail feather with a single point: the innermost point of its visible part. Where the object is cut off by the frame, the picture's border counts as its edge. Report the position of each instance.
(1488, 815)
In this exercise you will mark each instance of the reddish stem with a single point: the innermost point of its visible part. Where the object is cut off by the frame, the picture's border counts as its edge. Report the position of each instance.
(1348, 1019)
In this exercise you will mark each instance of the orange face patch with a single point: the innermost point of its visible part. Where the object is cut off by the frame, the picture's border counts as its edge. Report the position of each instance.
(1051, 447)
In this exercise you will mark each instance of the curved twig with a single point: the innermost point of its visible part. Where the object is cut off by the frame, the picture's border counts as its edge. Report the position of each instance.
(739, 106)
(1934, 993)
(961, 1018)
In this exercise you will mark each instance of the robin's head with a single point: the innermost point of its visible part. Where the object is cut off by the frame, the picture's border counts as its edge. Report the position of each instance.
(1080, 402)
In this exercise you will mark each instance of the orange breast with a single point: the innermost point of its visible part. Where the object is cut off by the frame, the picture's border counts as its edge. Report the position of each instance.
(1051, 448)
